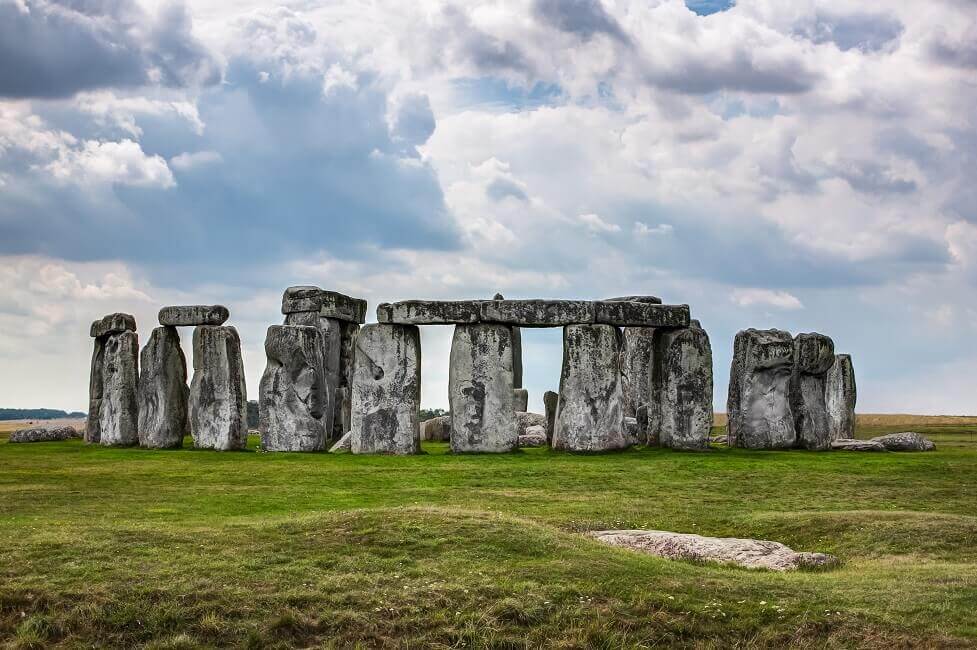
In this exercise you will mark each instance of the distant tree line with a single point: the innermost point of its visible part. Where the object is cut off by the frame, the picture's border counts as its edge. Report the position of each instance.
(39, 414)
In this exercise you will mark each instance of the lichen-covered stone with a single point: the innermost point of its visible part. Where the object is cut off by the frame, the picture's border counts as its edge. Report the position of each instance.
(163, 392)
(520, 400)
(112, 324)
(95, 385)
(905, 441)
(329, 304)
(294, 405)
(653, 300)
(525, 420)
(840, 397)
(331, 346)
(480, 392)
(550, 400)
(44, 434)
(193, 315)
(534, 436)
(850, 444)
(683, 388)
(347, 343)
(637, 369)
(218, 395)
(537, 313)
(429, 312)
(759, 403)
(640, 314)
(343, 444)
(436, 429)
(118, 420)
(589, 414)
(386, 391)
(814, 354)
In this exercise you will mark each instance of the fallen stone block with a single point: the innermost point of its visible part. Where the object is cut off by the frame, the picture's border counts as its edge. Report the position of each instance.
(480, 393)
(534, 436)
(840, 398)
(905, 441)
(112, 324)
(218, 396)
(589, 414)
(850, 444)
(44, 434)
(193, 315)
(537, 313)
(343, 444)
(386, 389)
(749, 553)
(163, 392)
(429, 312)
(640, 314)
(437, 429)
(294, 404)
(329, 304)
(525, 420)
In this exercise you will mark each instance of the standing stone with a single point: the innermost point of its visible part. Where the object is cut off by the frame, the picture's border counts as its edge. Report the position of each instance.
(637, 365)
(590, 411)
(218, 396)
(683, 377)
(480, 393)
(840, 397)
(95, 385)
(814, 354)
(294, 404)
(118, 421)
(759, 404)
(331, 347)
(516, 351)
(386, 390)
(347, 345)
(163, 391)
(550, 400)
(520, 400)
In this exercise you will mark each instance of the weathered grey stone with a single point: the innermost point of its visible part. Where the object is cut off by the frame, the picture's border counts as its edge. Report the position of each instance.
(218, 396)
(118, 420)
(631, 430)
(95, 385)
(850, 444)
(653, 300)
(44, 434)
(550, 400)
(759, 404)
(905, 441)
(185, 315)
(840, 397)
(589, 414)
(347, 345)
(429, 312)
(436, 429)
(112, 324)
(647, 433)
(525, 420)
(637, 369)
(386, 389)
(719, 440)
(295, 404)
(640, 314)
(163, 391)
(343, 444)
(331, 347)
(814, 354)
(534, 436)
(329, 304)
(520, 400)
(682, 398)
(516, 350)
(749, 553)
(537, 313)
(480, 393)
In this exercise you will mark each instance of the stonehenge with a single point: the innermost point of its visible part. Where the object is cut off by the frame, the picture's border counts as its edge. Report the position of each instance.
(163, 392)
(634, 371)
(113, 411)
(789, 391)
(386, 390)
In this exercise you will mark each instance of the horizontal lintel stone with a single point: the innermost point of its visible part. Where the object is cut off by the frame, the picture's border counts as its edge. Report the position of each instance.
(192, 315)
(537, 313)
(655, 300)
(429, 312)
(113, 324)
(329, 304)
(640, 314)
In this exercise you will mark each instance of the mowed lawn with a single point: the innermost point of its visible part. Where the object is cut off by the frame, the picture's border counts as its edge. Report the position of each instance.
(171, 549)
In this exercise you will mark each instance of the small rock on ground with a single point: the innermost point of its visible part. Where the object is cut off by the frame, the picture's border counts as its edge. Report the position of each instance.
(343, 444)
(749, 553)
(535, 436)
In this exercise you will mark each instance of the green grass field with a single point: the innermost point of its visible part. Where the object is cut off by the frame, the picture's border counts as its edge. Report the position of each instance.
(132, 548)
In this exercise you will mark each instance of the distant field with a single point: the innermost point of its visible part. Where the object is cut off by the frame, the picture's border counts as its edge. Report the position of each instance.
(183, 549)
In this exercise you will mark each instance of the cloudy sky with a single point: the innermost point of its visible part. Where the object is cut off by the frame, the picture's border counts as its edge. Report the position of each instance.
(809, 165)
